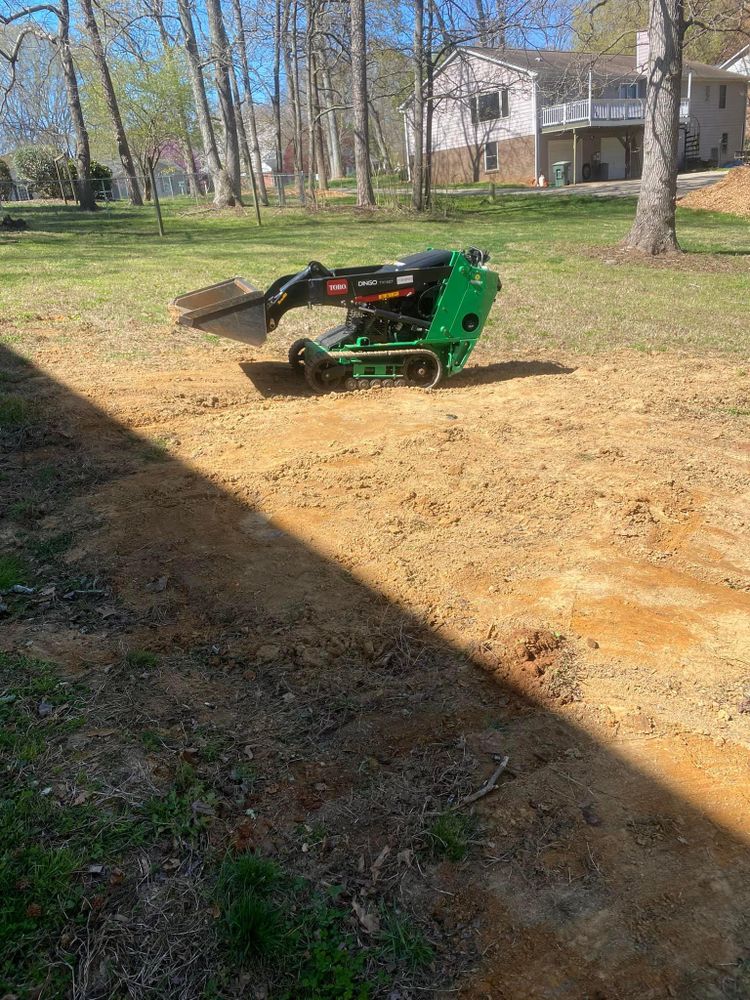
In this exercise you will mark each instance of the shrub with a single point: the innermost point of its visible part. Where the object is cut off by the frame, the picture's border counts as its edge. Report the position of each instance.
(6, 180)
(36, 164)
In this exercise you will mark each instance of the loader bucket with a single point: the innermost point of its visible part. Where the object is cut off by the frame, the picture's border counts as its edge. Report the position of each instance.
(233, 309)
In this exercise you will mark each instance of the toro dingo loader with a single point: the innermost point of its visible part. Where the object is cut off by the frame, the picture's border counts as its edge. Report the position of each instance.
(414, 322)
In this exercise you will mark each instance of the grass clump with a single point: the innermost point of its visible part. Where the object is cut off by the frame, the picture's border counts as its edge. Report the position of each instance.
(253, 925)
(12, 571)
(46, 549)
(405, 942)
(15, 412)
(449, 835)
(141, 659)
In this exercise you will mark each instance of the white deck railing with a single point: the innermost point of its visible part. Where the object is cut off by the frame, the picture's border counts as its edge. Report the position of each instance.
(599, 112)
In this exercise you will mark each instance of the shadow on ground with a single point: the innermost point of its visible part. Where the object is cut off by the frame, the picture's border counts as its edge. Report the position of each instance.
(584, 878)
(277, 378)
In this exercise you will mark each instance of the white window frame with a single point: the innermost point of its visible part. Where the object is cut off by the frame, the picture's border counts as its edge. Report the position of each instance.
(488, 169)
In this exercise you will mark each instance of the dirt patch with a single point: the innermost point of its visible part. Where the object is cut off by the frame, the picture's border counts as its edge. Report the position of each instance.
(343, 614)
(730, 194)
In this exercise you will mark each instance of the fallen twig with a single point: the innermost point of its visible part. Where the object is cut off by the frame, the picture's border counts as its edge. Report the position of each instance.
(489, 786)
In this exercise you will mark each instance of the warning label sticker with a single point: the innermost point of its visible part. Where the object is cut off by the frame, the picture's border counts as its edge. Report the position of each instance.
(404, 279)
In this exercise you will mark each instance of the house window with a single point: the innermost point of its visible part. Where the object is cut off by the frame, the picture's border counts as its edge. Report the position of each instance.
(628, 91)
(490, 106)
(490, 156)
(722, 95)
(708, 93)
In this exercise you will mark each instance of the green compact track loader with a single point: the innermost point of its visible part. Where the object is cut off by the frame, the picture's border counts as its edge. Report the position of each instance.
(414, 322)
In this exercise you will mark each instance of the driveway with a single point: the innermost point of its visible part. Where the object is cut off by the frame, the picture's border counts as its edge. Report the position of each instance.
(631, 189)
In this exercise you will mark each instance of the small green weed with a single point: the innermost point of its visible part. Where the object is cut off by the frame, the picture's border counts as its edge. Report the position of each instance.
(141, 659)
(184, 812)
(405, 942)
(15, 412)
(46, 549)
(12, 571)
(156, 450)
(449, 835)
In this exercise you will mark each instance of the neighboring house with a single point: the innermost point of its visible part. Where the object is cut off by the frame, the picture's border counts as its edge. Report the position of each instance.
(510, 114)
(740, 63)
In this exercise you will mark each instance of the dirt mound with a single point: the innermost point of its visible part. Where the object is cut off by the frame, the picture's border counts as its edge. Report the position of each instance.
(730, 194)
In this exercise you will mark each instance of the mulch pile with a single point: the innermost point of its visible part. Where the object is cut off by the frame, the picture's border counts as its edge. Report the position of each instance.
(730, 194)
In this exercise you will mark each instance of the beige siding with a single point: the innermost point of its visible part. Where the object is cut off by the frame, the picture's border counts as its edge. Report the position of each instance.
(468, 75)
(713, 120)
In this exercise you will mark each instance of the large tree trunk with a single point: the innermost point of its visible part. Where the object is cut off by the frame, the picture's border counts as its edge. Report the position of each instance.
(333, 139)
(417, 168)
(249, 103)
(123, 148)
(653, 230)
(222, 59)
(276, 100)
(86, 197)
(362, 165)
(223, 194)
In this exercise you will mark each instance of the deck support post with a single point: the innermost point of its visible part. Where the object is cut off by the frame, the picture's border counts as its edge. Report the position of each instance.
(575, 157)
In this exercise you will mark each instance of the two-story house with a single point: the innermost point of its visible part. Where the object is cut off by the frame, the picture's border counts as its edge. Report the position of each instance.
(508, 115)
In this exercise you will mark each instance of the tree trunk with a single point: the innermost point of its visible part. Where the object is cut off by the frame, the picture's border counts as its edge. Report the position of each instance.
(223, 195)
(157, 12)
(291, 63)
(86, 197)
(429, 87)
(383, 151)
(653, 230)
(249, 103)
(123, 148)
(276, 101)
(362, 165)
(312, 146)
(221, 57)
(333, 139)
(417, 169)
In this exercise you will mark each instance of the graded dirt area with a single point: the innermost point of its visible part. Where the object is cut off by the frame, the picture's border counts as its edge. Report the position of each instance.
(384, 594)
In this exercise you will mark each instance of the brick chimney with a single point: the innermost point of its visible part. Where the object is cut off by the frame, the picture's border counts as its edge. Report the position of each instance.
(641, 50)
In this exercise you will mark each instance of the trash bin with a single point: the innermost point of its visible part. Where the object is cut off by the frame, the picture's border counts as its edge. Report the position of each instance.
(561, 173)
(601, 171)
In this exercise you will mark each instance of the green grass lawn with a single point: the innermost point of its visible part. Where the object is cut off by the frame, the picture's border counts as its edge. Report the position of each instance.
(109, 277)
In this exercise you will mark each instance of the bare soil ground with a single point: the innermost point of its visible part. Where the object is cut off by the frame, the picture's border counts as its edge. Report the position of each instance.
(376, 597)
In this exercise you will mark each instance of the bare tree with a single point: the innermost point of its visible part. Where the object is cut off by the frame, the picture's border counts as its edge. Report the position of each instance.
(110, 99)
(291, 65)
(249, 111)
(156, 11)
(276, 98)
(362, 165)
(223, 191)
(328, 100)
(653, 230)
(418, 104)
(222, 60)
(61, 42)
